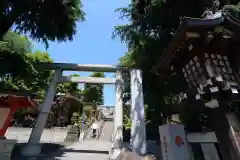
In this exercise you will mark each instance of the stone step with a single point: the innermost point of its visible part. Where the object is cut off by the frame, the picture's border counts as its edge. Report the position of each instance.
(87, 150)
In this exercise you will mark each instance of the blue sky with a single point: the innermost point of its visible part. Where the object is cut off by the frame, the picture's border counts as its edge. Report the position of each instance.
(93, 43)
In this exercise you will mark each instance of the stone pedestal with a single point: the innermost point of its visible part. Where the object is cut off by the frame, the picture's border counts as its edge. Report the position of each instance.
(81, 137)
(6, 147)
(73, 133)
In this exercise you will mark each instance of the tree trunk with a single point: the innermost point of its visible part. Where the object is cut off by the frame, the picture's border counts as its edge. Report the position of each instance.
(6, 22)
(222, 121)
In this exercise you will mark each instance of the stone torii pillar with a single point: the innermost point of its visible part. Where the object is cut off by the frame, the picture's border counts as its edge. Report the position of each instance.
(33, 147)
(138, 132)
(118, 118)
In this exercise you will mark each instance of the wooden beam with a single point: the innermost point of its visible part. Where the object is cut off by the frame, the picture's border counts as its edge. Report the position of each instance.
(82, 67)
(168, 54)
(92, 80)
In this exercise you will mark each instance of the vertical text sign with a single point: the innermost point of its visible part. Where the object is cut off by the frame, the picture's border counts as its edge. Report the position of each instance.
(173, 142)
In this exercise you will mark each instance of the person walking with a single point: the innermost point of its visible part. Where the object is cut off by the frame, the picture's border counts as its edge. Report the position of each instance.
(94, 129)
(99, 128)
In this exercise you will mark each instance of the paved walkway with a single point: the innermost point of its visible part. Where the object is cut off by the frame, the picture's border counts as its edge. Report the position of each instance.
(89, 148)
(54, 135)
(106, 134)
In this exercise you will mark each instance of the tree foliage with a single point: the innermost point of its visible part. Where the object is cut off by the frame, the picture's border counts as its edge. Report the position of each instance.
(19, 69)
(152, 26)
(43, 20)
(94, 92)
(13, 49)
(70, 88)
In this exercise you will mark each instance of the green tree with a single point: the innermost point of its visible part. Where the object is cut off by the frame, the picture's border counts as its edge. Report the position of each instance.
(19, 69)
(70, 88)
(152, 25)
(40, 78)
(36, 81)
(94, 92)
(43, 20)
(13, 49)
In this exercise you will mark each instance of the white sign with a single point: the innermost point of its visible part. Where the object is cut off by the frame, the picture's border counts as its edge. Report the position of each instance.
(173, 142)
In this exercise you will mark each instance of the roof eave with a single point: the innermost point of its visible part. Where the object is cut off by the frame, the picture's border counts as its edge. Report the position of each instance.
(188, 23)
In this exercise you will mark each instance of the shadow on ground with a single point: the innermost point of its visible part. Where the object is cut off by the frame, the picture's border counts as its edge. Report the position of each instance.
(83, 151)
(47, 150)
(63, 151)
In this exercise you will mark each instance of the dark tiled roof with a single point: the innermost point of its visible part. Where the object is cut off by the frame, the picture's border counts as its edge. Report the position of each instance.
(193, 25)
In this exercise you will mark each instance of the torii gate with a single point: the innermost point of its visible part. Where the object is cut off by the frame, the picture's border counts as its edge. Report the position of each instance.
(138, 134)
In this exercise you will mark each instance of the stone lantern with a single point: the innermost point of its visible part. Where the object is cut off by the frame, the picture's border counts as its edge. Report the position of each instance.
(206, 51)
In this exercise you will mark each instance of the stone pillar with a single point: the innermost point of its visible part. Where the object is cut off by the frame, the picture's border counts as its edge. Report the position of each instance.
(118, 118)
(33, 148)
(81, 137)
(138, 132)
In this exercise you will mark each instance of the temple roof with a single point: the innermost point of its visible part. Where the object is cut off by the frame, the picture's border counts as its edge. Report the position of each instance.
(192, 28)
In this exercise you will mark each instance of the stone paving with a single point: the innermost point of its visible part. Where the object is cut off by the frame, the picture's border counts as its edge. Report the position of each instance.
(107, 132)
(86, 150)
(54, 135)
(89, 148)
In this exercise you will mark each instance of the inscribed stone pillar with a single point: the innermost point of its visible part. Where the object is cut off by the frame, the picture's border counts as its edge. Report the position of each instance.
(138, 133)
(118, 118)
